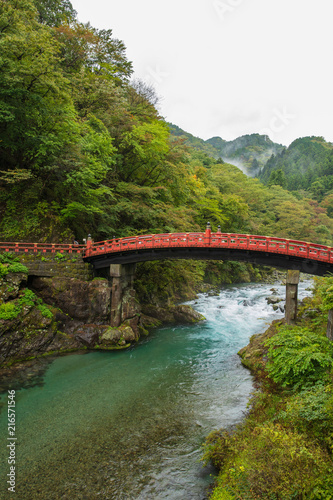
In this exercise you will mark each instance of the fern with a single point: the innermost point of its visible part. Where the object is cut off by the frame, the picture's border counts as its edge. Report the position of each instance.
(298, 356)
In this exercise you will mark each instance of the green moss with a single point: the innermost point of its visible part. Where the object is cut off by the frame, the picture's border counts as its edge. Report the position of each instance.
(143, 331)
(271, 462)
(27, 300)
(17, 267)
(9, 310)
(43, 308)
(111, 348)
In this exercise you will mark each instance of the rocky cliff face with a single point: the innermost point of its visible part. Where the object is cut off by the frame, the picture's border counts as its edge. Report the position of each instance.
(61, 314)
(27, 326)
(86, 306)
(83, 301)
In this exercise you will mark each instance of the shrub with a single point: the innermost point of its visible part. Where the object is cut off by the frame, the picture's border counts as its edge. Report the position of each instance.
(325, 288)
(59, 257)
(311, 410)
(8, 258)
(28, 298)
(11, 264)
(3, 270)
(274, 463)
(216, 448)
(45, 311)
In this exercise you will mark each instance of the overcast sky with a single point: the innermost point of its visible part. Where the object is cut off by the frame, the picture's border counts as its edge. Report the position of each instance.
(230, 67)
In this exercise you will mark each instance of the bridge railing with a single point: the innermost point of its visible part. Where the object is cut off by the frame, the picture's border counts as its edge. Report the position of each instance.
(206, 239)
(147, 241)
(214, 240)
(41, 248)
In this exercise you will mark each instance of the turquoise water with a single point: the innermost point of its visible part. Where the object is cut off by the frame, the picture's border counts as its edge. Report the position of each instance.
(130, 424)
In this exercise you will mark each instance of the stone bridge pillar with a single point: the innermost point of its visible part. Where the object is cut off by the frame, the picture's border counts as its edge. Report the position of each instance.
(291, 296)
(123, 294)
(329, 331)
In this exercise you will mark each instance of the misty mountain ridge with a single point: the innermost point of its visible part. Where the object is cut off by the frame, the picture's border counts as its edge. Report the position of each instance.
(249, 153)
(307, 164)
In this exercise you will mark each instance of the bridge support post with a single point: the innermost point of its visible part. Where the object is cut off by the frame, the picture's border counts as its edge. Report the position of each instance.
(329, 331)
(122, 277)
(291, 296)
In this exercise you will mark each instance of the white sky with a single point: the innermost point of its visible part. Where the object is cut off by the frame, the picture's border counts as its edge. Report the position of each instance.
(230, 67)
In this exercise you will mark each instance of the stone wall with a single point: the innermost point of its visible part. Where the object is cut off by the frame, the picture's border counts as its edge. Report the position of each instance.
(66, 266)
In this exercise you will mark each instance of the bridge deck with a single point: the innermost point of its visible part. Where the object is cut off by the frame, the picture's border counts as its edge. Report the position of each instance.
(280, 252)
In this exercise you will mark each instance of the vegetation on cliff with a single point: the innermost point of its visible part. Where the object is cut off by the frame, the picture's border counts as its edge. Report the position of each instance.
(29, 327)
(283, 450)
(248, 152)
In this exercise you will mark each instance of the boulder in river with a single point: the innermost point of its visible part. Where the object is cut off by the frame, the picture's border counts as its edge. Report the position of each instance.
(173, 314)
(273, 299)
(185, 314)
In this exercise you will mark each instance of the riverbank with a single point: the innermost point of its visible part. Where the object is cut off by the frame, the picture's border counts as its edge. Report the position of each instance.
(31, 375)
(283, 448)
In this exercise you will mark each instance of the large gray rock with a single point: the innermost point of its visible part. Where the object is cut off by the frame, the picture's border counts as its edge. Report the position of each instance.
(173, 314)
(185, 314)
(88, 302)
(10, 285)
(273, 299)
(31, 334)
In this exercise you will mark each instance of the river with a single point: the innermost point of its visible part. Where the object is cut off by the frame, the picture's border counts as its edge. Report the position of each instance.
(129, 425)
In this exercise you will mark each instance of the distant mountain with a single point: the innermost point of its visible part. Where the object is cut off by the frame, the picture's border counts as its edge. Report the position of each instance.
(307, 164)
(249, 152)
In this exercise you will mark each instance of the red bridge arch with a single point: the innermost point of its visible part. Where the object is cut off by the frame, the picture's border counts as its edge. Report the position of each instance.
(271, 251)
(277, 252)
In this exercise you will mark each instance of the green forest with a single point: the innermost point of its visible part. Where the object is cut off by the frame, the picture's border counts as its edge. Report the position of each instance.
(84, 150)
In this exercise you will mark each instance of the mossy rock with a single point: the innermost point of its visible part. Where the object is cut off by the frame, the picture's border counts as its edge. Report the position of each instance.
(254, 355)
(112, 335)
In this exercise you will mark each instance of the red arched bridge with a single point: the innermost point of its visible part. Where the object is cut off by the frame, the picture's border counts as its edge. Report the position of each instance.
(270, 251)
(276, 252)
